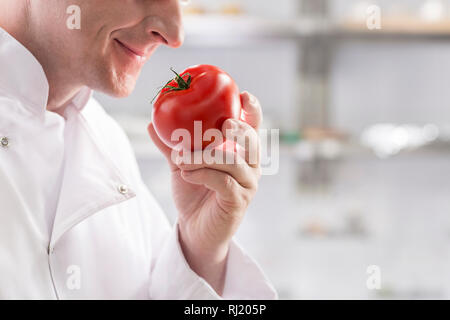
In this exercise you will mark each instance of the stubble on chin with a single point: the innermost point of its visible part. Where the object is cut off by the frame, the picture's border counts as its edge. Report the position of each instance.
(113, 82)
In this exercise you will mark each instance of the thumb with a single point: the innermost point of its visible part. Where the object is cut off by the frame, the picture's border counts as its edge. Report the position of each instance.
(165, 150)
(251, 110)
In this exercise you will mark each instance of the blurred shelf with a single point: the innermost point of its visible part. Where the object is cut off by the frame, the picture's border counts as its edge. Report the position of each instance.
(222, 30)
(407, 27)
(231, 30)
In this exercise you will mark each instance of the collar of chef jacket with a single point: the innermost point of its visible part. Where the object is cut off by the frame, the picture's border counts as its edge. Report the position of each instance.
(91, 180)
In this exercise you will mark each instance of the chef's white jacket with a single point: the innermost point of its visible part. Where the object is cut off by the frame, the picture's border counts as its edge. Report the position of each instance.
(76, 219)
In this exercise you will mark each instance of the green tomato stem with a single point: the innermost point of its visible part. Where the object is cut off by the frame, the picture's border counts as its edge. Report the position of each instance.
(182, 84)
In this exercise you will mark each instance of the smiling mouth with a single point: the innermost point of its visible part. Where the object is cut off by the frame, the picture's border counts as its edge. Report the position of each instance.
(130, 50)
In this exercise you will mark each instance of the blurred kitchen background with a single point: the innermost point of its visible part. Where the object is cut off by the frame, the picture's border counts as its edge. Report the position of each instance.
(364, 119)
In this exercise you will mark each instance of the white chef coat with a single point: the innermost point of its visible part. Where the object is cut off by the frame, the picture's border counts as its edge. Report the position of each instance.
(109, 238)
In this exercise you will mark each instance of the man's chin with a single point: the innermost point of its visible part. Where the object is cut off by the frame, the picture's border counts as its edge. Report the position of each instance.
(120, 88)
(121, 93)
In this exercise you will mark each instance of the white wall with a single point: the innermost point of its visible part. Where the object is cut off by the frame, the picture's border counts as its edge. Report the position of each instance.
(401, 82)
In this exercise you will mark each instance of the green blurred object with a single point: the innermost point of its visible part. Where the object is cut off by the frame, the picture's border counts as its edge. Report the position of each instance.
(290, 137)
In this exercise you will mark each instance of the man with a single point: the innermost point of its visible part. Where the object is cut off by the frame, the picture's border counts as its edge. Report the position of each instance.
(76, 220)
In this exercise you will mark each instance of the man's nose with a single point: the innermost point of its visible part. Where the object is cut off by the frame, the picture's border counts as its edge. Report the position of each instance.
(165, 21)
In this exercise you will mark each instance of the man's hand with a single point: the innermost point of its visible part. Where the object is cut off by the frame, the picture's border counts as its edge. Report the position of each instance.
(212, 198)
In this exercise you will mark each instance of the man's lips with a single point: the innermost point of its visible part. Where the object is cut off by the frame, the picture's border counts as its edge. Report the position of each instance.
(132, 50)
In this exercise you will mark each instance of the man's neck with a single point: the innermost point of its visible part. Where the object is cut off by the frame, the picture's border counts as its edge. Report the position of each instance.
(15, 18)
(60, 91)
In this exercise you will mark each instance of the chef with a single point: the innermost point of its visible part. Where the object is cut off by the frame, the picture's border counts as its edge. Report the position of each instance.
(76, 219)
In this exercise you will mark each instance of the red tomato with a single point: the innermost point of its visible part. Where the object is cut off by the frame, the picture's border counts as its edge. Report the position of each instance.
(200, 93)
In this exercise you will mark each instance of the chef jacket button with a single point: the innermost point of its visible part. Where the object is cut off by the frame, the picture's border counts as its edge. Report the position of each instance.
(123, 189)
(4, 142)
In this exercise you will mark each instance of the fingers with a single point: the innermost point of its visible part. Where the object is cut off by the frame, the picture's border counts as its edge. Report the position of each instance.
(220, 182)
(233, 165)
(165, 150)
(246, 137)
(247, 144)
(252, 112)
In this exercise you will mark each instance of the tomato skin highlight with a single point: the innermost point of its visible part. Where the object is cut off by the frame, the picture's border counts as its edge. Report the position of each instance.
(212, 97)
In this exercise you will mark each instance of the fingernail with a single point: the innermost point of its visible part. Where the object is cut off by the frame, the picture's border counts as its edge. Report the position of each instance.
(251, 99)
